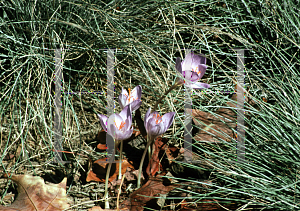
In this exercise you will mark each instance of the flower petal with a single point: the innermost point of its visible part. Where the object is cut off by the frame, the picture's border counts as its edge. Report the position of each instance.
(187, 62)
(111, 130)
(198, 59)
(202, 68)
(199, 85)
(114, 119)
(137, 92)
(128, 123)
(146, 118)
(155, 129)
(126, 112)
(124, 92)
(122, 100)
(135, 105)
(168, 119)
(195, 77)
(125, 135)
(103, 121)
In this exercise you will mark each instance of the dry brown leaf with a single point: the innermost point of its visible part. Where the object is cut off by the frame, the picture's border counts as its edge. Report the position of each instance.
(158, 161)
(152, 188)
(97, 208)
(214, 127)
(97, 172)
(34, 194)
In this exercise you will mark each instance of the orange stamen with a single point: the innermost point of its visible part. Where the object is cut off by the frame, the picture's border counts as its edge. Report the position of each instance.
(130, 97)
(157, 118)
(198, 72)
(121, 125)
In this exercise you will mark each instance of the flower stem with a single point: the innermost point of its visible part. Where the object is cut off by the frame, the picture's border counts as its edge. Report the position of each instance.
(106, 181)
(120, 165)
(149, 153)
(165, 94)
(142, 161)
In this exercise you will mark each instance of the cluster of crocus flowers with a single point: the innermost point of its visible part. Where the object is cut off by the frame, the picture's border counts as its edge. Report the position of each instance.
(119, 127)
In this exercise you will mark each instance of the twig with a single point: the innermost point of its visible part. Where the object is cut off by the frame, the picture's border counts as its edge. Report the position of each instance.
(120, 188)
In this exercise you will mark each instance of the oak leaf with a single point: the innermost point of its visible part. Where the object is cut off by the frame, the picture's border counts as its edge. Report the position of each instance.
(34, 194)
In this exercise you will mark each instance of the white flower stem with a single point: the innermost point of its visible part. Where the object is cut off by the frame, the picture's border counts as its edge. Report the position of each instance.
(142, 161)
(149, 153)
(106, 181)
(120, 165)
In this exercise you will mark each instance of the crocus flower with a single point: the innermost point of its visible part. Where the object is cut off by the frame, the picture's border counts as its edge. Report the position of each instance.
(198, 66)
(133, 98)
(118, 125)
(156, 125)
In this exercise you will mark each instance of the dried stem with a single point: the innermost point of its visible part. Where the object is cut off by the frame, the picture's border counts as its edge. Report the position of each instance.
(165, 94)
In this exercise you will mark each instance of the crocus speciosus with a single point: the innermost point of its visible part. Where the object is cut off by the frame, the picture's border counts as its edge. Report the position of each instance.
(133, 98)
(119, 127)
(155, 126)
(193, 62)
(198, 66)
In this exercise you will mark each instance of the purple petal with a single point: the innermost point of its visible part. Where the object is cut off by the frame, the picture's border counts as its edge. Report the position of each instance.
(128, 123)
(103, 121)
(202, 68)
(199, 85)
(146, 117)
(198, 59)
(195, 77)
(187, 63)
(122, 100)
(150, 123)
(178, 65)
(124, 91)
(126, 112)
(125, 135)
(111, 130)
(168, 119)
(154, 129)
(137, 92)
(114, 119)
(135, 105)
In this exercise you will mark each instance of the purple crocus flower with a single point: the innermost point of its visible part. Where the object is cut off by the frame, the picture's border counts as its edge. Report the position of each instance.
(133, 98)
(118, 125)
(156, 125)
(198, 66)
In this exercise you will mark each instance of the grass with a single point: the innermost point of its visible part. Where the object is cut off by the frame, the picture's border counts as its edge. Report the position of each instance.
(150, 35)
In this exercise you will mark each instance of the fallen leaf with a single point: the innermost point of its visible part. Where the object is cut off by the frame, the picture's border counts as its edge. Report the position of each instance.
(97, 208)
(97, 172)
(158, 161)
(152, 188)
(132, 175)
(34, 194)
